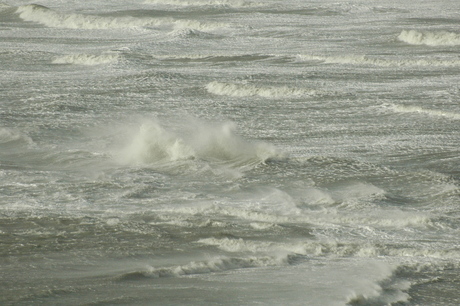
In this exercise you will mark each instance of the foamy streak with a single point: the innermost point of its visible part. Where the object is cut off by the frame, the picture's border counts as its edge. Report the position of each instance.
(210, 266)
(424, 111)
(50, 18)
(196, 140)
(239, 90)
(87, 59)
(282, 251)
(390, 218)
(440, 38)
(363, 60)
(229, 3)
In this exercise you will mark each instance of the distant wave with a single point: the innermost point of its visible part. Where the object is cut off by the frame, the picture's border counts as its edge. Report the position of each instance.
(382, 62)
(424, 111)
(51, 18)
(87, 59)
(440, 38)
(229, 3)
(242, 90)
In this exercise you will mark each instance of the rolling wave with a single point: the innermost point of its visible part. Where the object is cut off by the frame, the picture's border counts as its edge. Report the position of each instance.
(51, 18)
(439, 38)
(242, 90)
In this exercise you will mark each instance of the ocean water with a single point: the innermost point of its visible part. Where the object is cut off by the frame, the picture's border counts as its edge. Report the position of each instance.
(230, 152)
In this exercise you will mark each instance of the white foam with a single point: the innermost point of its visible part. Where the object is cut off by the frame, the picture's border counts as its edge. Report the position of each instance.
(51, 18)
(423, 111)
(242, 90)
(281, 250)
(382, 62)
(87, 59)
(153, 144)
(439, 38)
(378, 287)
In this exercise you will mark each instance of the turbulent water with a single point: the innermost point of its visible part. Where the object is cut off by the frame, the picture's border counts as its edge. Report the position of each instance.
(230, 152)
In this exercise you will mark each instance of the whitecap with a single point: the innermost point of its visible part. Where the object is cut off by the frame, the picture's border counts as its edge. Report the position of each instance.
(244, 90)
(438, 38)
(87, 59)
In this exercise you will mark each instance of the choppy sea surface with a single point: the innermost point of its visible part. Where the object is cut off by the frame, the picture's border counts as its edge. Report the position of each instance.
(230, 152)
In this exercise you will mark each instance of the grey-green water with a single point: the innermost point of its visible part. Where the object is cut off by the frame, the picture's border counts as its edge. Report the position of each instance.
(229, 152)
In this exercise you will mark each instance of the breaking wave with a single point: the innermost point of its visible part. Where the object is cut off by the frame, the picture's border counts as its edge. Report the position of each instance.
(382, 62)
(87, 59)
(440, 38)
(241, 90)
(153, 144)
(51, 18)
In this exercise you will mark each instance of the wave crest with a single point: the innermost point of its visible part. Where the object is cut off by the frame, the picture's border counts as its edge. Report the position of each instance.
(440, 38)
(240, 90)
(87, 59)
